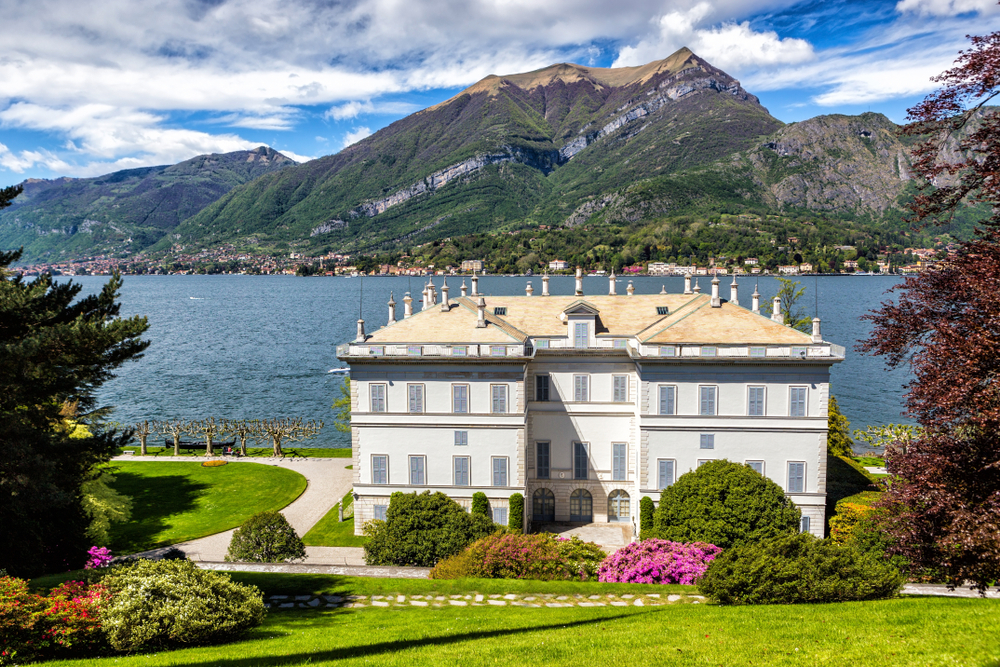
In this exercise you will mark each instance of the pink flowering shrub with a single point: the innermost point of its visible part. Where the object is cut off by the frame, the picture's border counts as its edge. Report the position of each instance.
(656, 561)
(99, 557)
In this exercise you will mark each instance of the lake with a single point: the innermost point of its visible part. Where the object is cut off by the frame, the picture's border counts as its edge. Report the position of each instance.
(263, 346)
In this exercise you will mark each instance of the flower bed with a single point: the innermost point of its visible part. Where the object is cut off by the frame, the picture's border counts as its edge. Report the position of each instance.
(517, 556)
(215, 463)
(656, 561)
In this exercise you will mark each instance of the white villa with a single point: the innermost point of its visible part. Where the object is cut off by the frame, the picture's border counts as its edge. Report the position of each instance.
(584, 403)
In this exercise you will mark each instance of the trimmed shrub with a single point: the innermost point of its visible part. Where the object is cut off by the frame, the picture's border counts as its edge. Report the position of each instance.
(725, 504)
(480, 504)
(174, 603)
(656, 561)
(579, 557)
(646, 510)
(515, 515)
(422, 529)
(518, 556)
(798, 568)
(266, 537)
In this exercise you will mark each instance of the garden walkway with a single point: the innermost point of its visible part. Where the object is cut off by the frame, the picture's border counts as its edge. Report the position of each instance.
(328, 481)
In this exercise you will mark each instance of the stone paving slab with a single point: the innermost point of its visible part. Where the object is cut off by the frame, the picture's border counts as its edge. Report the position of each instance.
(429, 601)
(306, 568)
(942, 591)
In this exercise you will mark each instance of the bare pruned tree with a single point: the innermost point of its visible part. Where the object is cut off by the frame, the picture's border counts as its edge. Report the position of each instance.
(142, 430)
(175, 428)
(292, 429)
(242, 429)
(210, 429)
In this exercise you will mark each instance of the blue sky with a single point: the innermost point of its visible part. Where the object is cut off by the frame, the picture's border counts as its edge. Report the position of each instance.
(93, 86)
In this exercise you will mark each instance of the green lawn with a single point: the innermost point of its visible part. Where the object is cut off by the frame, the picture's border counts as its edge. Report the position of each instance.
(290, 452)
(176, 501)
(908, 631)
(331, 532)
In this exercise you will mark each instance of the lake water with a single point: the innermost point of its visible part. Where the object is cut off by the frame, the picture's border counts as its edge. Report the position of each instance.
(262, 346)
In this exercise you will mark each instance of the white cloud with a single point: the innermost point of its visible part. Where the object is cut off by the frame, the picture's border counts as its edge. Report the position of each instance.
(354, 136)
(733, 47)
(356, 108)
(947, 7)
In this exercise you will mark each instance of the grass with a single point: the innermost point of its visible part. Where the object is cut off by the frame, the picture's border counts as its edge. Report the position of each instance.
(290, 452)
(331, 532)
(908, 631)
(177, 501)
(870, 461)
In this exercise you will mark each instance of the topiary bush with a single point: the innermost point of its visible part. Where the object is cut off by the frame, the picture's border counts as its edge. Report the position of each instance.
(725, 504)
(798, 568)
(656, 561)
(515, 515)
(480, 504)
(422, 529)
(266, 537)
(646, 510)
(518, 556)
(174, 603)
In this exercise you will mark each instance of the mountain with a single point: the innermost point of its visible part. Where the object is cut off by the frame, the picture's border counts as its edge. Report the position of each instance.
(523, 147)
(126, 209)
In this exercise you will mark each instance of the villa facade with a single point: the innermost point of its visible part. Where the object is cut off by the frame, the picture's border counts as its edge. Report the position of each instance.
(584, 404)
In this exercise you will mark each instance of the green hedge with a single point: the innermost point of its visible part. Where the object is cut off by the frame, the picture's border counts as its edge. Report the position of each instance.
(515, 515)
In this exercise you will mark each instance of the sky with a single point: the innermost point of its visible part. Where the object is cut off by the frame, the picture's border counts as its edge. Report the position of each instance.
(88, 87)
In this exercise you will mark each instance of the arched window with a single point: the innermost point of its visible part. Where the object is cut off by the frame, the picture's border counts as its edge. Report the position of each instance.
(618, 506)
(581, 506)
(543, 506)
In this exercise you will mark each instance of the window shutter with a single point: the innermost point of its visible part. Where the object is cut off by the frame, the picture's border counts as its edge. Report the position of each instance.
(620, 462)
(708, 400)
(796, 477)
(666, 473)
(620, 388)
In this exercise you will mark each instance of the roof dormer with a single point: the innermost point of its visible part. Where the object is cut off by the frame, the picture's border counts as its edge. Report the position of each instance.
(581, 323)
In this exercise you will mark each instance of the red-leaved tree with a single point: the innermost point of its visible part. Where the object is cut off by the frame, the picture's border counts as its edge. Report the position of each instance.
(945, 497)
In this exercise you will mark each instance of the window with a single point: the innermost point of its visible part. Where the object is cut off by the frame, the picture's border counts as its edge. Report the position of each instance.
(709, 351)
(413, 350)
(581, 338)
(378, 397)
(541, 387)
(702, 462)
(755, 402)
(461, 471)
(581, 506)
(580, 460)
(498, 350)
(804, 524)
(460, 398)
(500, 516)
(581, 388)
(758, 352)
(380, 511)
(618, 507)
(666, 472)
(376, 350)
(619, 460)
(668, 400)
(798, 351)
(797, 402)
(707, 400)
(542, 460)
(380, 470)
(620, 394)
(543, 505)
(499, 393)
(620, 344)
(459, 350)
(796, 477)
(542, 343)
(668, 351)
(417, 466)
(416, 394)
(756, 465)
(662, 310)
(461, 438)
(500, 471)
(707, 441)
(500, 310)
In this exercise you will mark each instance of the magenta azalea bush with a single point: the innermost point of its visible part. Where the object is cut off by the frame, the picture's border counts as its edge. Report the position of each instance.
(99, 557)
(656, 561)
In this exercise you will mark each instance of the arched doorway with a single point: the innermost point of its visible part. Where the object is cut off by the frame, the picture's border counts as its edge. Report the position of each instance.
(619, 508)
(581, 506)
(543, 505)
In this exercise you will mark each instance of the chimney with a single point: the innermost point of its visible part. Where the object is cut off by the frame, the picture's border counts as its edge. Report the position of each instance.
(465, 290)
(755, 307)
(776, 310)
(663, 290)
(426, 300)
(687, 283)
(697, 287)
(545, 284)
(630, 290)
(361, 332)
(529, 290)
(611, 284)
(481, 313)
(716, 301)
(579, 281)
(407, 305)
(392, 309)
(817, 336)
(475, 284)
(445, 302)
(432, 291)
(734, 296)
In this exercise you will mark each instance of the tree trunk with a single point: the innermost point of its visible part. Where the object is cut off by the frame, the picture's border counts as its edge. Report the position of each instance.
(177, 444)
(243, 444)
(208, 444)
(142, 444)
(276, 439)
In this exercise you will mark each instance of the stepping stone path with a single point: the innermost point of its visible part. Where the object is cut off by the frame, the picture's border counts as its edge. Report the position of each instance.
(540, 600)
